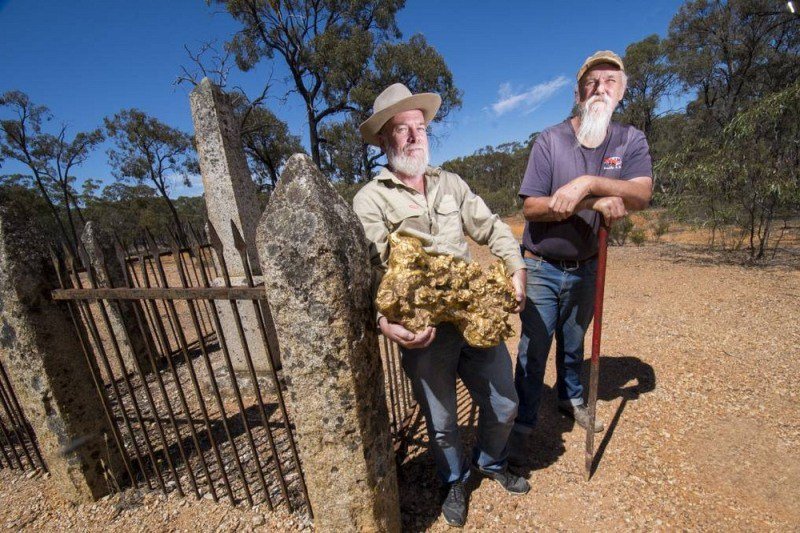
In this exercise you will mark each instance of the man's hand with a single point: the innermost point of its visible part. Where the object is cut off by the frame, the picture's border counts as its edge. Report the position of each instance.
(519, 281)
(611, 207)
(405, 338)
(564, 201)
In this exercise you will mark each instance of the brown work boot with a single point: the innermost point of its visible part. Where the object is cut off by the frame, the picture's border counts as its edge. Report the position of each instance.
(580, 413)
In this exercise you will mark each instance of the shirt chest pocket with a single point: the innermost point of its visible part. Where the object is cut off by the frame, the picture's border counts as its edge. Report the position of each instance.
(448, 219)
(404, 217)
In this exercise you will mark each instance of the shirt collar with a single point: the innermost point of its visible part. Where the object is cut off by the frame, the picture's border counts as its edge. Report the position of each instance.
(387, 175)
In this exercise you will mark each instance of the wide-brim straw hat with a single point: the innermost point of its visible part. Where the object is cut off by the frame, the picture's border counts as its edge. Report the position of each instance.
(393, 100)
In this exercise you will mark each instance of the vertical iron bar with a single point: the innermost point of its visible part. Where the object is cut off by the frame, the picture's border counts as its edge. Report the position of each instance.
(193, 376)
(160, 382)
(101, 304)
(235, 384)
(164, 303)
(256, 388)
(98, 383)
(145, 386)
(96, 337)
(21, 415)
(181, 396)
(14, 424)
(213, 380)
(149, 315)
(7, 438)
(242, 249)
(390, 376)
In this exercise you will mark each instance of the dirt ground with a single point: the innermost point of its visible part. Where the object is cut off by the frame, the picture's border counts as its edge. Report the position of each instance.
(698, 390)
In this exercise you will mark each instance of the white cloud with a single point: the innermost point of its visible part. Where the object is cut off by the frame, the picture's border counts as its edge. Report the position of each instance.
(528, 100)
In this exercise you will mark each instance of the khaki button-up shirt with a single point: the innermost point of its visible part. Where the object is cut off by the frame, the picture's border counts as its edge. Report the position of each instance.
(440, 218)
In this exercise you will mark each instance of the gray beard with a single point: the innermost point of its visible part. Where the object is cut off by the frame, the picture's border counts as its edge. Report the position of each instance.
(594, 123)
(408, 165)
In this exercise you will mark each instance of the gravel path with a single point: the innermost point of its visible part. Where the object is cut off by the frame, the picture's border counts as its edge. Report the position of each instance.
(699, 392)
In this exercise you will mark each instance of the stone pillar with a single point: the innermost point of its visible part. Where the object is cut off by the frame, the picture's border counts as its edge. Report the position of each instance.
(319, 287)
(231, 198)
(108, 273)
(47, 367)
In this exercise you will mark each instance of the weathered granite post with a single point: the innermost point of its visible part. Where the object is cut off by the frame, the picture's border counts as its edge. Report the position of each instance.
(319, 286)
(108, 273)
(230, 196)
(48, 370)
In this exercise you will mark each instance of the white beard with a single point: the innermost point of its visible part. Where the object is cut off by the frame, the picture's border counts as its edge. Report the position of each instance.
(595, 116)
(413, 164)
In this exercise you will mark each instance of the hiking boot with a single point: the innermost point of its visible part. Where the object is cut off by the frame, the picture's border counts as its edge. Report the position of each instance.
(454, 507)
(580, 413)
(512, 483)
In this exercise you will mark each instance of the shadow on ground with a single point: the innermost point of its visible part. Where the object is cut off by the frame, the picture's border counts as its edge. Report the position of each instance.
(624, 377)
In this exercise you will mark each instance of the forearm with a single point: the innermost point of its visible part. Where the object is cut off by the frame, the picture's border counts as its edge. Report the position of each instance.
(635, 193)
(537, 208)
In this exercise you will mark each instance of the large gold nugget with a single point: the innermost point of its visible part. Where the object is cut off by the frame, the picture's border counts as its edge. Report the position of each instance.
(421, 290)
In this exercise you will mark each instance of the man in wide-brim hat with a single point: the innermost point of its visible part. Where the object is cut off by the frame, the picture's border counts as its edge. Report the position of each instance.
(437, 206)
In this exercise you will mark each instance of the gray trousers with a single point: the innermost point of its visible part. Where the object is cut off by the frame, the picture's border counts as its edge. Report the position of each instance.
(487, 373)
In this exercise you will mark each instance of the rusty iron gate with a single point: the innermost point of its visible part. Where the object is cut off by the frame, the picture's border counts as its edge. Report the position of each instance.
(404, 413)
(185, 421)
(18, 447)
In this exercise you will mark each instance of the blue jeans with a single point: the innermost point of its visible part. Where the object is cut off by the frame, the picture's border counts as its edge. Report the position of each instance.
(488, 376)
(560, 301)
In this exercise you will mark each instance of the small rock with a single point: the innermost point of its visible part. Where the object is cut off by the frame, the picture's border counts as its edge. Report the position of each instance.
(258, 520)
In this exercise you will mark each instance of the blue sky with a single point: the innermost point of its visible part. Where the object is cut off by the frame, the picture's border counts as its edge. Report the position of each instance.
(514, 60)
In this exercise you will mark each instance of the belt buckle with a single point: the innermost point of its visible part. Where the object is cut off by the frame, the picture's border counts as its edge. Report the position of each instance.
(570, 265)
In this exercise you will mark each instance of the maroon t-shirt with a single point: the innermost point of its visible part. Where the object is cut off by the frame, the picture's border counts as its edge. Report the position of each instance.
(558, 158)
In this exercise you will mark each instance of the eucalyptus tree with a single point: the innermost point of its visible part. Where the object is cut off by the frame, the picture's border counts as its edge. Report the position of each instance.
(327, 47)
(414, 63)
(147, 150)
(732, 53)
(51, 158)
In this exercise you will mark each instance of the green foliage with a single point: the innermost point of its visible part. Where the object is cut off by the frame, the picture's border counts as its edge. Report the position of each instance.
(650, 79)
(495, 174)
(732, 53)
(660, 225)
(51, 157)
(147, 150)
(328, 47)
(638, 236)
(620, 231)
(267, 144)
(417, 65)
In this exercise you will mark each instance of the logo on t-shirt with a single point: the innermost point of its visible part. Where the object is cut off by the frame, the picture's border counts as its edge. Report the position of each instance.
(612, 163)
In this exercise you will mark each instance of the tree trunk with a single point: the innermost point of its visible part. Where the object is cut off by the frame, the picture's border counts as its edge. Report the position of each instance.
(313, 138)
(175, 217)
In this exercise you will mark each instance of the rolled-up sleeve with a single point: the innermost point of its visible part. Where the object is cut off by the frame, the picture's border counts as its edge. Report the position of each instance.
(486, 228)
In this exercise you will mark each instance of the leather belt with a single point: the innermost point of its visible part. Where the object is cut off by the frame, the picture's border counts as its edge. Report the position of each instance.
(565, 264)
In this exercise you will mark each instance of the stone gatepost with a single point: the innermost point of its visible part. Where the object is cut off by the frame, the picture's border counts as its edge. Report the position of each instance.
(231, 198)
(319, 287)
(39, 347)
(108, 273)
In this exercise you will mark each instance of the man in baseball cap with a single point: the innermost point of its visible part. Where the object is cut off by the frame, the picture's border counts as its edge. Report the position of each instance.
(580, 170)
(411, 197)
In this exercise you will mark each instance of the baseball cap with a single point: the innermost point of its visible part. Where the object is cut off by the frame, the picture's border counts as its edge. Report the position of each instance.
(601, 56)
